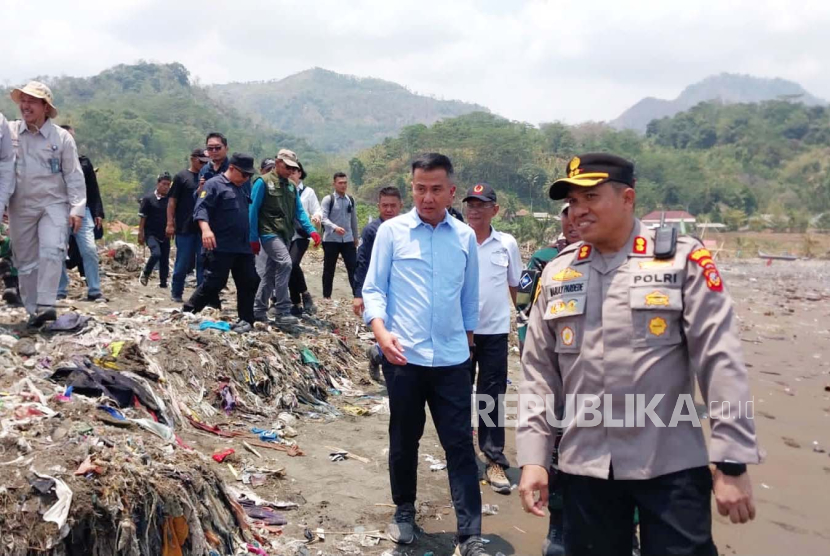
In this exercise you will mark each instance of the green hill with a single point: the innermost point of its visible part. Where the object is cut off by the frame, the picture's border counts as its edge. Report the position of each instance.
(337, 113)
(135, 121)
(723, 163)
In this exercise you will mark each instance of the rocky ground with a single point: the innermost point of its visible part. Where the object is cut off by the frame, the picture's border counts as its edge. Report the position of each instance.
(146, 482)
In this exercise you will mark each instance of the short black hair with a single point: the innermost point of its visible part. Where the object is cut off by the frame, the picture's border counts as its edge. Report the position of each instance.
(338, 175)
(433, 161)
(303, 175)
(389, 192)
(164, 176)
(216, 135)
(67, 127)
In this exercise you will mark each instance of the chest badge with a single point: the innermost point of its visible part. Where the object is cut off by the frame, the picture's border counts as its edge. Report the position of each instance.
(566, 275)
(657, 299)
(658, 326)
(567, 336)
(640, 245)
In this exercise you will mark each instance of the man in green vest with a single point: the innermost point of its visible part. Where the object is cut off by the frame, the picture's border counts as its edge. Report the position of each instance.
(275, 212)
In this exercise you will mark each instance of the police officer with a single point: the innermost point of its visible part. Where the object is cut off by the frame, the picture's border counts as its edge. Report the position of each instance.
(626, 324)
(222, 215)
(49, 191)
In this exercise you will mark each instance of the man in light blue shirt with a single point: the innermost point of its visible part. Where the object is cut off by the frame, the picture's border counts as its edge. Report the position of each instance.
(421, 299)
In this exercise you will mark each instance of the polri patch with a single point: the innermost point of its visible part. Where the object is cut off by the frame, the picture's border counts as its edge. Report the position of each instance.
(640, 245)
(703, 258)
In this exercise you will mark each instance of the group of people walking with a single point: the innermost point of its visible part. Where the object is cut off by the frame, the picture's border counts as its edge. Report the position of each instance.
(612, 311)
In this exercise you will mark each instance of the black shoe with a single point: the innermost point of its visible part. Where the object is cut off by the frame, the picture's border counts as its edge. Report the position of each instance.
(163, 285)
(99, 297)
(308, 304)
(403, 529)
(374, 363)
(59, 297)
(296, 310)
(44, 314)
(554, 544)
(143, 279)
(12, 298)
(176, 298)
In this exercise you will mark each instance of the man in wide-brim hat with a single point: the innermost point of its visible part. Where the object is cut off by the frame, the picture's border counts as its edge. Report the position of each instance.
(49, 190)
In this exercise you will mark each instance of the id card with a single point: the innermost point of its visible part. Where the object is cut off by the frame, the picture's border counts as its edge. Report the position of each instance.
(55, 165)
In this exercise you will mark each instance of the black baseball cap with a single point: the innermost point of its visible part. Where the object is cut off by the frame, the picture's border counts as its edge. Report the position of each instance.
(164, 176)
(590, 170)
(482, 192)
(243, 162)
(200, 154)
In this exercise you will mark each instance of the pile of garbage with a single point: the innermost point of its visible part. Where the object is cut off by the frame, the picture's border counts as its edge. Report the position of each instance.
(96, 416)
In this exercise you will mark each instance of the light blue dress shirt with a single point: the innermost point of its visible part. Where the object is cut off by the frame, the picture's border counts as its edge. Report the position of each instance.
(423, 282)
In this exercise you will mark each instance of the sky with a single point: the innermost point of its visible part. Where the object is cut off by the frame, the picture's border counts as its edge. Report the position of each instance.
(533, 60)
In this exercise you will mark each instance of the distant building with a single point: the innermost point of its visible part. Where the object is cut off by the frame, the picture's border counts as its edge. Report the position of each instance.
(679, 219)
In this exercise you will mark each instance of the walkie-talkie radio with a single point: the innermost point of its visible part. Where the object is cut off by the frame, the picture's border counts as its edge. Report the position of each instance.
(665, 240)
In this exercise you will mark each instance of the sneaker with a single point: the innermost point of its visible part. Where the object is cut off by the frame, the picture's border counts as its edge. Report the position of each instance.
(497, 479)
(241, 327)
(176, 298)
(286, 318)
(474, 546)
(374, 363)
(43, 315)
(296, 310)
(554, 544)
(308, 304)
(98, 298)
(59, 297)
(403, 529)
(144, 279)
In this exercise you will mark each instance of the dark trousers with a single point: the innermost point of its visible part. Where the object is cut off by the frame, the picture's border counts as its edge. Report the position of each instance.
(675, 514)
(448, 393)
(331, 250)
(490, 358)
(218, 266)
(296, 283)
(159, 253)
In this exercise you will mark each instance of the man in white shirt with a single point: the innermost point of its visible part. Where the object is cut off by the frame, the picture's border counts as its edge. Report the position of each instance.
(500, 267)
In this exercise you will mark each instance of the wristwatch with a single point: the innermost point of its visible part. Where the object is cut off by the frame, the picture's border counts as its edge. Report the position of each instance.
(730, 468)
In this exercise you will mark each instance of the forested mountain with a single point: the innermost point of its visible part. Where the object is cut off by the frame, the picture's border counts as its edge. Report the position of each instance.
(135, 121)
(726, 88)
(723, 163)
(334, 112)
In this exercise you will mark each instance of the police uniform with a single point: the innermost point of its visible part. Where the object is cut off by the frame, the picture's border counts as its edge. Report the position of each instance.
(629, 324)
(224, 206)
(49, 188)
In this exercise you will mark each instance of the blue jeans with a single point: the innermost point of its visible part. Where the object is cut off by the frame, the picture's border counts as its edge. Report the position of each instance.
(188, 253)
(85, 239)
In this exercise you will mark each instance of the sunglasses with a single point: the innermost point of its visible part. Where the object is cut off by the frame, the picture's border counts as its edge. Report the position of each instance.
(214, 147)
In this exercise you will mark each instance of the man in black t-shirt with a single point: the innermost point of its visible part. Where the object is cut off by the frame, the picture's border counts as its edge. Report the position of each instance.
(151, 230)
(182, 199)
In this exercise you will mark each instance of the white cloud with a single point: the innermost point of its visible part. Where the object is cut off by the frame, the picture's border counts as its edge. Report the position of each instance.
(537, 60)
